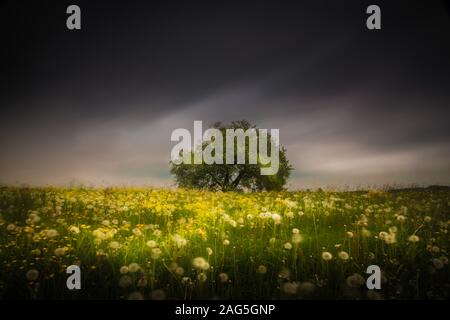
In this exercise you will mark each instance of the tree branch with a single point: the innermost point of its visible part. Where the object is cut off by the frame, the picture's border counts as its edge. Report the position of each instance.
(215, 179)
(238, 179)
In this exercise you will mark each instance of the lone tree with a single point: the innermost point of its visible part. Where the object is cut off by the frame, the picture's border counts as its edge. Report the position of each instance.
(236, 176)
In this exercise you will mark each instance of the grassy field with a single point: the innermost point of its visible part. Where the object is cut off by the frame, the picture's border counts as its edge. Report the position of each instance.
(162, 244)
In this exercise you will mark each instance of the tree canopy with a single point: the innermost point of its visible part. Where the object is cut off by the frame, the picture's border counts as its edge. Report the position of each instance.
(236, 176)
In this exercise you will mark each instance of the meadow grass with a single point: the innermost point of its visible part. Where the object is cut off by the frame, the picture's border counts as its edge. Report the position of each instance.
(133, 243)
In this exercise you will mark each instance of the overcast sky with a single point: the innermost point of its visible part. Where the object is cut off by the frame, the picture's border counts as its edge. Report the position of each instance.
(97, 106)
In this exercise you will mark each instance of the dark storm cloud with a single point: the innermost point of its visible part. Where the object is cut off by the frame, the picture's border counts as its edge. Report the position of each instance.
(100, 103)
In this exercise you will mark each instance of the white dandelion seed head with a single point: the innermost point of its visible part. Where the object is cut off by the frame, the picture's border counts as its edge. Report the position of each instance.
(172, 266)
(435, 249)
(261, 269)
(382, 235)
(391, 238)
(151, 243)
(32, 275)
(179, 271)
(185, 280)
(51, 233)
(393, 229)
(223, 277)
(114, 245)
(327, 256)
(355, 280)
(34, 218)
(276, 218)
(288, 246)
(413, 238)
(157, 233)
(156, 253)
(137, 232)
(289, 288)
(200, 263)
(59, 252)
(202, 277)
(179, 241)
(437, 263)
(125, 281)
(133, 267)
(343, 255)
